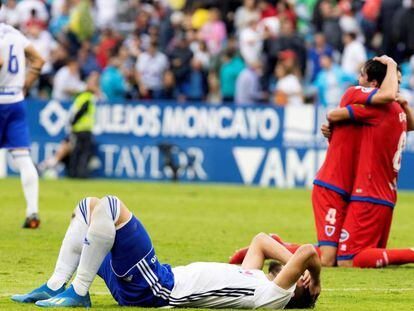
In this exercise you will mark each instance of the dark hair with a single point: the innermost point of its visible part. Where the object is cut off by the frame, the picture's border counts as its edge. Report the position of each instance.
(275, 267)
(353, 35)
(375, 71)
(302, 299)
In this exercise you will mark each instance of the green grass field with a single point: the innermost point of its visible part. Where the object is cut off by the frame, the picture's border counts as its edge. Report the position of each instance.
(191, 223)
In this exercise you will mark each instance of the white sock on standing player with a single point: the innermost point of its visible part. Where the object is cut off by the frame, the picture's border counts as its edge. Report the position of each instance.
(29, 179)
(72, 244)
(99, 241)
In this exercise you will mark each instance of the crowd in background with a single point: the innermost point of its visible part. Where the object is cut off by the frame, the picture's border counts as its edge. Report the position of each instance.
(284, 52)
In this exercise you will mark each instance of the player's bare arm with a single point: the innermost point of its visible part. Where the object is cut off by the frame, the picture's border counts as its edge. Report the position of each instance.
(337, 115)
(389, 87)
(264, 247)
(408, 111)
(305, 258)
(36, 63)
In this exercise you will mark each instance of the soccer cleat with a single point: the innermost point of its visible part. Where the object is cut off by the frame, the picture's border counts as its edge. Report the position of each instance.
(32, 222)
(68, 298)
(41, 293)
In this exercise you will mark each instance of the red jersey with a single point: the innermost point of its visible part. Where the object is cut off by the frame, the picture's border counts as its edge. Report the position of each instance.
(383, 141)
(338, 171)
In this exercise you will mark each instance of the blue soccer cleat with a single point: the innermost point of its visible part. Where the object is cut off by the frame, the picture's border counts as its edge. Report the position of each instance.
(41, 293)
(68, 298)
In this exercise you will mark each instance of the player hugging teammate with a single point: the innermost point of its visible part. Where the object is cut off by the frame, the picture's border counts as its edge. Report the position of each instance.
(355, 190)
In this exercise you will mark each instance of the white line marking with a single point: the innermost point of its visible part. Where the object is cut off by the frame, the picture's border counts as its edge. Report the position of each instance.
(323, 289)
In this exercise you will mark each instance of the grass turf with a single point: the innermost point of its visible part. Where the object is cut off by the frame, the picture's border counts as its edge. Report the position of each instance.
(190, 223)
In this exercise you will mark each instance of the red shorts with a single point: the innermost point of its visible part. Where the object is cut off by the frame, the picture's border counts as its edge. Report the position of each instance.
(329, 209)
(367, 225)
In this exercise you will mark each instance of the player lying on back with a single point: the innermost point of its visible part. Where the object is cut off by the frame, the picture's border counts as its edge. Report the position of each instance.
(104, 238)
(15, 48)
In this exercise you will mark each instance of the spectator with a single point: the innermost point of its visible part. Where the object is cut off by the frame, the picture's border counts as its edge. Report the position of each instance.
(284, 11)
(245, 14)
(354, 55)
(60, 22)
(251, 42)
(269, 21)
(180, 60)
(43, 41)
(214, 96)
(214, 32)
(198, 84)
(87, 60)
(67, 82)
(288, 40)
(106, 46)
(106, 12)
(169, 90)
(266, 9)
(386, 26)
(288, 90)
(248, 89)
(320, 48)
(199, 49)
(331, 82)
(232, 66)
(403, 30)
(9, 13)
(113, 84)
(368, 19)
(32, 9)
(330, 24)
(149, 72)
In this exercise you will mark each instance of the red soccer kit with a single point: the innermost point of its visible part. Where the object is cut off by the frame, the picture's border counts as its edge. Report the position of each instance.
(334, 180)
(368, 220)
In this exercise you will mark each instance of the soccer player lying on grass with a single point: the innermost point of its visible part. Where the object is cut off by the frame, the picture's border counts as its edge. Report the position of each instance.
(104, 238)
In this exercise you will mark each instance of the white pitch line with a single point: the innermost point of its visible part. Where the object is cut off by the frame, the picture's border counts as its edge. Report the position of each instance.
(368, 289)
(323, 289)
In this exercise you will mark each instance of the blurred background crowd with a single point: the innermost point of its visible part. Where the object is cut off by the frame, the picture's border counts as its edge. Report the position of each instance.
(281, 52)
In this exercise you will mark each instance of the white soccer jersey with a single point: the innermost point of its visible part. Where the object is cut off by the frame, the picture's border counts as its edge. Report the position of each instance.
(220, 285)
(13, 71)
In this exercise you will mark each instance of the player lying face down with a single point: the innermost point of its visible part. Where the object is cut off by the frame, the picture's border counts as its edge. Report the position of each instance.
(104, 238)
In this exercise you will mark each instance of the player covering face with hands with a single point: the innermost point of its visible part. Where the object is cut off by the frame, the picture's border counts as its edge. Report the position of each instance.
(104, 238)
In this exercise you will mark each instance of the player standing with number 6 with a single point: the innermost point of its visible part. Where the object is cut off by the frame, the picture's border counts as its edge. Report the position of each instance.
(15, 48)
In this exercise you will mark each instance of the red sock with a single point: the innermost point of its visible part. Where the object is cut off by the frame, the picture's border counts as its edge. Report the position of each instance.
(277, 238)
(381, 257)
(238, 256)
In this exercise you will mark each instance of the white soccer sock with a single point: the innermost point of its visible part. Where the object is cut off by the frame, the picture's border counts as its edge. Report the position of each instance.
(71, 248)
(29, 179)
(99, 241)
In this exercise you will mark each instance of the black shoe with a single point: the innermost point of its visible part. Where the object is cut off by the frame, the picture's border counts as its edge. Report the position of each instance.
(32, 222)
